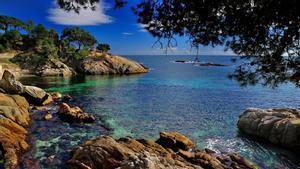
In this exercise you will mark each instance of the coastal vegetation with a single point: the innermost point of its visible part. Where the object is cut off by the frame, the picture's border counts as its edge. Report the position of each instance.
(44, 52)
(42, 43)
(103, 47)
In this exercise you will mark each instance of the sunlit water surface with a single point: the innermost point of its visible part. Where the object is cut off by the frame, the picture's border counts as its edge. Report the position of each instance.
(200, 102)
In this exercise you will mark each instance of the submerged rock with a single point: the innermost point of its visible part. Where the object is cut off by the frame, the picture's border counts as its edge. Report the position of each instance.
(196, 63)
(99, 64)
(279, 126)
(183, 61)
(74, 114)
(48, 116)
(127, 153)
(14, 119)
(209, 64)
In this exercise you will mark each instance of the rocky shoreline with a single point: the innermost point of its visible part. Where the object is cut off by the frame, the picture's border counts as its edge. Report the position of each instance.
(94, 64)
(171, 150)
(15, 100)
(16, 103)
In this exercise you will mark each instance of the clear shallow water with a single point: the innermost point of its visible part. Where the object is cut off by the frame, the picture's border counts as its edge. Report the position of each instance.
(200, 102)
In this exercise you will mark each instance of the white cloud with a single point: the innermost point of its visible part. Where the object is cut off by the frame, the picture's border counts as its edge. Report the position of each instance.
(127, 33)
(142, 27)
(85, 17)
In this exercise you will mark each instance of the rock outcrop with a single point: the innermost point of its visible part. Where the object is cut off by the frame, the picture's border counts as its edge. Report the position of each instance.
(95, 63)
(11, 67)
(34, 95)
(74, 114)
(127, 153)
(50, 67)
(102, 64)
(9, 84)
(14, 119)
(175, 141)
(279, 126)
(54, 68)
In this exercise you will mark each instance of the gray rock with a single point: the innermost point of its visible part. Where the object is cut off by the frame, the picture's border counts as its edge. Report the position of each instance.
(279, 126)
(9, 84)
(99, 64)
(54, 68)
(36, 96)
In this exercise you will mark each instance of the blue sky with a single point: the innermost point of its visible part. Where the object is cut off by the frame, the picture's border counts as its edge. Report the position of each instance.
(118, 28)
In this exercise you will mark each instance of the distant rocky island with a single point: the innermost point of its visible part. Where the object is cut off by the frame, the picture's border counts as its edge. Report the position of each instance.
(197, 63)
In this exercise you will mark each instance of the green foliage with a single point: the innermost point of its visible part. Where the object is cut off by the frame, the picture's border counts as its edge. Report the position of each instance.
(29, 59)
(103, 47)
(78, 37)
(7, 22)
(75, 44)
(29, 26)
(39, 32)
(11, 40)
(77, 5)
(81, 54)
(2, 48)
(45, 42)
(40, 44)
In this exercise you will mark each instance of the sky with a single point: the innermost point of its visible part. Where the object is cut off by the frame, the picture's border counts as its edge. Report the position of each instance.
(119, 28)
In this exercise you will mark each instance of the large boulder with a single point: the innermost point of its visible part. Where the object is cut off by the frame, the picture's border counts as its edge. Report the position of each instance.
(100, 64)
(36, 96)
(279, 126)
(175, 141)
(54, 68)
(74, 114)
(127, 153)
(9, 84)
(14, 120)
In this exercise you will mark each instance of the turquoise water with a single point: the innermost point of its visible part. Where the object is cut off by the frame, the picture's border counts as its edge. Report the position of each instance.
(200, 102)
